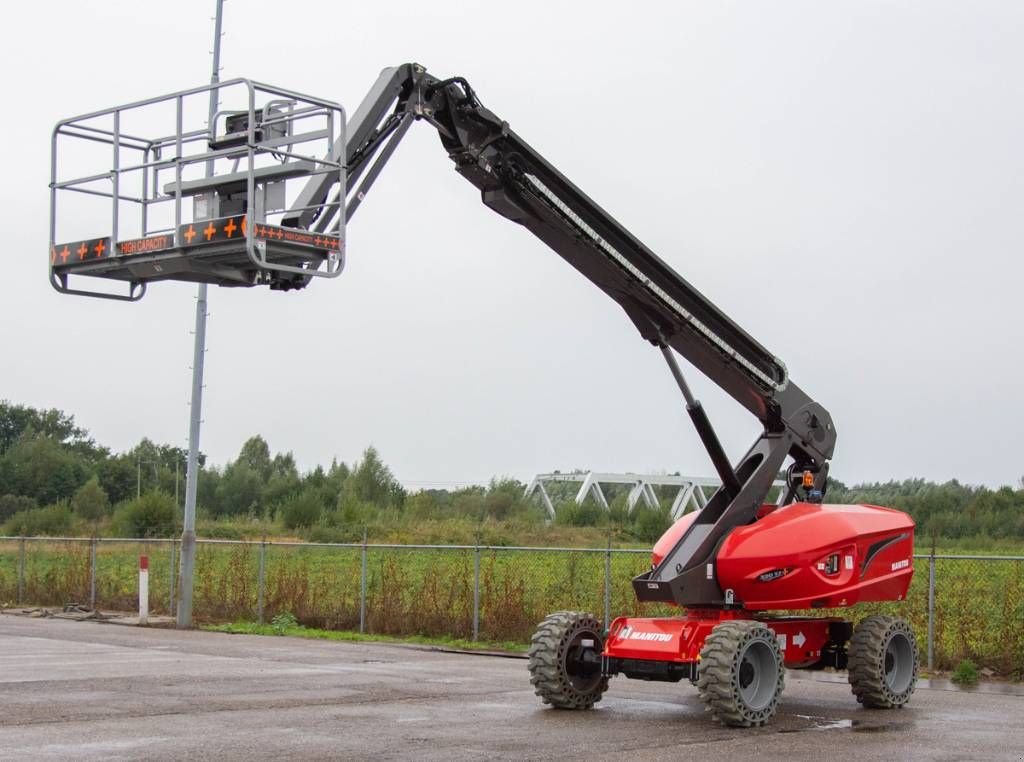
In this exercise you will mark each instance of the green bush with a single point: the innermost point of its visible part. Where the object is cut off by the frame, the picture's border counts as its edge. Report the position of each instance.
(12, 504)
(90, 502)
(586, 514)
(649, 523)
(51, 521)
(152, 515)
(966, 673)
(422, 506)
(41, 468)
(283, 622)
(302, 510)
(338, 534)
(220, 530)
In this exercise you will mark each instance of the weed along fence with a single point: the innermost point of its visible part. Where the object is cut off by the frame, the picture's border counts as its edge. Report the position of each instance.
(960, 606)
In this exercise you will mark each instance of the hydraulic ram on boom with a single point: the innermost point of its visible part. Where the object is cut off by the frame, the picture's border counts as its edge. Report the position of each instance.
(518, 183)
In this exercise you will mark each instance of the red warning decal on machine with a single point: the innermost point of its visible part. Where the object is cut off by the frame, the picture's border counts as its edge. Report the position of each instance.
(212, 231)
(236, 228)
(79, 251)
(148, 245)
(302, 237)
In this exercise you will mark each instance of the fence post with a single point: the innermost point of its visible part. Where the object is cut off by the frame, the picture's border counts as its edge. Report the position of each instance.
(144, 589)
(261, 580)
(172, 582)
(21, 571)
(931, 611)
(476, 591)
(92, 573)
(362, 587)
(608, 584)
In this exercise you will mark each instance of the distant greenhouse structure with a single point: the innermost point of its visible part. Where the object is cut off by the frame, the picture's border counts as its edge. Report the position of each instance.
(688, 492)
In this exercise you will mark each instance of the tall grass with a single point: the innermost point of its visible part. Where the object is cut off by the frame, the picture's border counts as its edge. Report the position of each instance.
(979, 604)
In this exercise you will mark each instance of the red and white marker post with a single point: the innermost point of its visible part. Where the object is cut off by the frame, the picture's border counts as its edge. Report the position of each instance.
(143, 589)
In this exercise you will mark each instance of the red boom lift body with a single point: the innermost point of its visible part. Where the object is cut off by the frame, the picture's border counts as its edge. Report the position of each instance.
(858, 553)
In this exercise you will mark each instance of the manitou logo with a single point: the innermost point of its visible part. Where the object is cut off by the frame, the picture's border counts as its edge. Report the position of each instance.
(628, 633)
(901, 564)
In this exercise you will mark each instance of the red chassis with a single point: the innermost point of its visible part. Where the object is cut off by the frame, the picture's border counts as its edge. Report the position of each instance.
(680, 639)
(859, 553)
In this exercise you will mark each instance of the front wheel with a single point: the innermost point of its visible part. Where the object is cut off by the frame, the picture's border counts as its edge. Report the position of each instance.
(741, 673)
(883, 662)
(565, 660)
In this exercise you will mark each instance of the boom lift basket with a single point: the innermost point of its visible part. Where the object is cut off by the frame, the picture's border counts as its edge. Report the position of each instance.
(156, 190)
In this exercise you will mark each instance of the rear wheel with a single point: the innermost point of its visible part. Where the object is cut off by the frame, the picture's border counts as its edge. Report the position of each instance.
(883, 662)
(741, 673)
(565, 660)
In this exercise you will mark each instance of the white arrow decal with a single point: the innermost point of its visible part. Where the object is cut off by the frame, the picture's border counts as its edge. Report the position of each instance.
(799, 640)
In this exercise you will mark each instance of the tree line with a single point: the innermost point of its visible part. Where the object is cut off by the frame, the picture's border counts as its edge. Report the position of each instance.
(55, 479)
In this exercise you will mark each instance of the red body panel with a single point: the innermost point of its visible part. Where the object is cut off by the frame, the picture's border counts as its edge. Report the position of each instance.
(802, 555)
(680, 639)
(782, 561)
(791, 547)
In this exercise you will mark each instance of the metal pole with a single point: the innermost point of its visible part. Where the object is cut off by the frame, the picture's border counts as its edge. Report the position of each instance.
(608, 584)
(931, 611)
(362, 588)
(261, 576)
(92, 574)
(170, 586)
(21, 571)
(138, 478)
(476, 591)
(188, 534)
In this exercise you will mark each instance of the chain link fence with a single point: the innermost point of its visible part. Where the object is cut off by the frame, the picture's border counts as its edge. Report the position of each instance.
(962, 607)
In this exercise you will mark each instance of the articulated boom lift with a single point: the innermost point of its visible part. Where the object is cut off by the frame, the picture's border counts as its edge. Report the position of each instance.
(269, 208)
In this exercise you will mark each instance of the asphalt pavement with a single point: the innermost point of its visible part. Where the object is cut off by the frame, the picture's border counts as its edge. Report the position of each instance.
(85, 690)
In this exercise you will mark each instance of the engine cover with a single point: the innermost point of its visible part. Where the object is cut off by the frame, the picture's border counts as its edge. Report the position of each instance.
(809, 555)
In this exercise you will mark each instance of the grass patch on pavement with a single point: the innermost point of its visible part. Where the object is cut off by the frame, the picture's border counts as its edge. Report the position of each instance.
(298, 631)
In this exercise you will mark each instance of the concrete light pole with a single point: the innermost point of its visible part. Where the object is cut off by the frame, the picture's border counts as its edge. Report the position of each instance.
(188, 535)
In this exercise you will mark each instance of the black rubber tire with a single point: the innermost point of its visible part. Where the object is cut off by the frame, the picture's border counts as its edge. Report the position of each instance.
(552, 649)
(722, 674)
(882, 662)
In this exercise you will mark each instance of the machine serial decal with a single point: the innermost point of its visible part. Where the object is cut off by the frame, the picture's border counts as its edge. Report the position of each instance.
(769, 576)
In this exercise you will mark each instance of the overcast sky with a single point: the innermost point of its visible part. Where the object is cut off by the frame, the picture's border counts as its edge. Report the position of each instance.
(846, 180)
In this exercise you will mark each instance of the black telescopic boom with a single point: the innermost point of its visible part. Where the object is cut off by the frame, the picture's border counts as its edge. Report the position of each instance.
(518, 183)
(704, 429)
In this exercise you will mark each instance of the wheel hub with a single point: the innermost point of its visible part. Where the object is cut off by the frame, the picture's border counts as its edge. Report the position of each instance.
(582, 664)
(899, 663)
(758, 675)
(746, 673)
